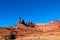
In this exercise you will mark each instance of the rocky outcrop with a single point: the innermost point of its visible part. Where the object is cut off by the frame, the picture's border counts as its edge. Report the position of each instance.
(30, 24)
(54, 25)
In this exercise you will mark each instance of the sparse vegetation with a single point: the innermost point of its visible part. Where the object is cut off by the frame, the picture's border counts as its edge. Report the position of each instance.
(59, 26)
(8, 28)
(12, 36)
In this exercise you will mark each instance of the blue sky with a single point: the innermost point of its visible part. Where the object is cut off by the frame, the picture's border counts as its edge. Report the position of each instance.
(38, 11)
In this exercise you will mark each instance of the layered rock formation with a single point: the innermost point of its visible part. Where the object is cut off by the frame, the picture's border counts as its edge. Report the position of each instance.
(31, 29)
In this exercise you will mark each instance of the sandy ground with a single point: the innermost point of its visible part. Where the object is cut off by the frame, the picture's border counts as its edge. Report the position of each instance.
(50, 37)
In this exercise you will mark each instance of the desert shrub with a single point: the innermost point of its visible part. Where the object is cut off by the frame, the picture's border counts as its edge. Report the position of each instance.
(21, 35)
(34, 35)
(15, 31)
(25, 30)
(12, 36)
(59, 26)
(8, 28)
(19, 28)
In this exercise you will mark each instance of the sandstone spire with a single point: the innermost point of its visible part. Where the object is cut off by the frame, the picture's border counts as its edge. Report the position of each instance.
(19, 20)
